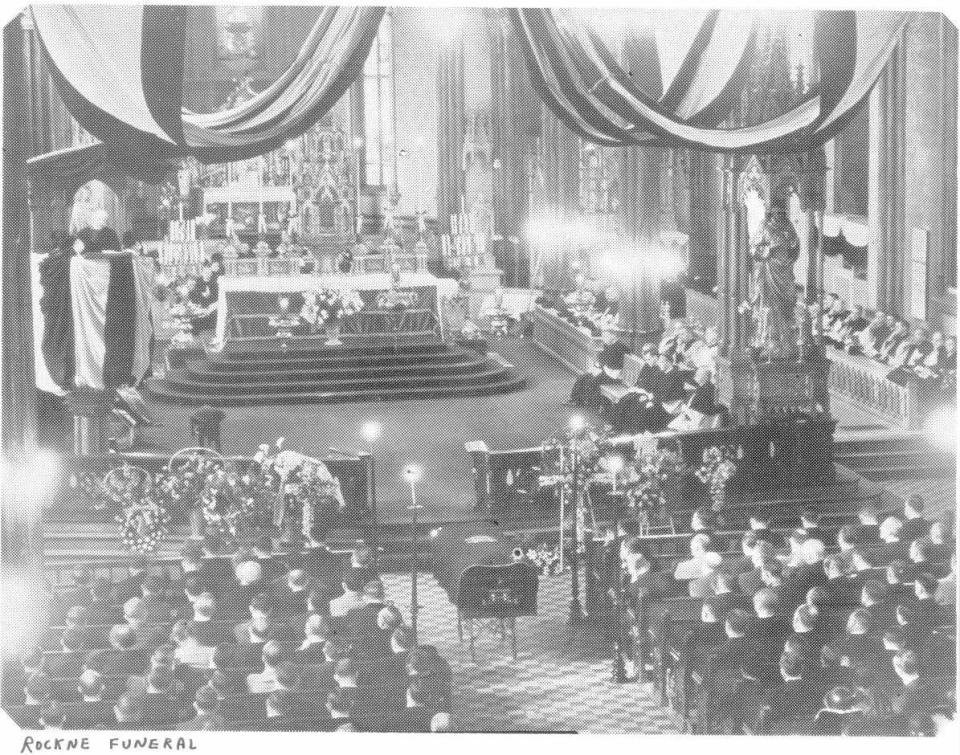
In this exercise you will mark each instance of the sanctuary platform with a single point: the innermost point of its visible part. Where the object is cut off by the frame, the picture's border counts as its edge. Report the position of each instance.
(307, 372)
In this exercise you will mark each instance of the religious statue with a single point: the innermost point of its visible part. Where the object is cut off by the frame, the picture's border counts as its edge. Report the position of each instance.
(773, 289)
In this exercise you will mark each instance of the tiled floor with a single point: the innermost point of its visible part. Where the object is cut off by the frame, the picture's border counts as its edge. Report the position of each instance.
(556, 684)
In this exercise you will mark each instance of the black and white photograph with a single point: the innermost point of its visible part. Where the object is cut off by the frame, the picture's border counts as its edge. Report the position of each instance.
(429, 369)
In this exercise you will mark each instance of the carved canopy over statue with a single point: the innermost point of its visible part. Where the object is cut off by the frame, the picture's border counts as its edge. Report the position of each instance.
(773, 288)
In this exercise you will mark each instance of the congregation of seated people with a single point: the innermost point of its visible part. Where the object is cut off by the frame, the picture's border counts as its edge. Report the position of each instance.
(673, 389)
(810, 631)
(920, 354)
(254, 640)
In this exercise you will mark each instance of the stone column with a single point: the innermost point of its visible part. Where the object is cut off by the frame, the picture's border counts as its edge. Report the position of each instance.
(887, 172)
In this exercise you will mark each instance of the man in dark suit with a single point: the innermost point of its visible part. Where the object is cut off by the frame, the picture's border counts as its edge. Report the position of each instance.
(93, 711)
(131, 586)
(790, 704)
(126, 656)
(727, 596)
(415, 716)
(808, 638)
(891, 546)
(102, 609)
(271, 563)
(70, 661)
(914, 525)
(586, 392)
(257, 629)
(248, 584)
(810, 523)
(770, 627)
(162, 704)
(316, 632)
(290, 592)
(285, 712)
(155, 600)
(704, 637)
(809, 571)
(361, 623)
(860, 649)
(875, 598)
(127, 714)
(206, 705)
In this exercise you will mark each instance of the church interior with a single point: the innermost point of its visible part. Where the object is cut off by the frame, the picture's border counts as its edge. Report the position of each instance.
(429, 369)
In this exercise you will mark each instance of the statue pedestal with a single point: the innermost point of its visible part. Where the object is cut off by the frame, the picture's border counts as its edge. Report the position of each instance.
(91, 410)
(792, 399)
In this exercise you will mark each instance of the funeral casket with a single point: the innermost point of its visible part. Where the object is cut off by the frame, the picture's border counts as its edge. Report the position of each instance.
(474, 563)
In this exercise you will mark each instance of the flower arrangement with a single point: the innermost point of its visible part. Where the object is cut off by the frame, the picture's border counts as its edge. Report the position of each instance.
(143, 517)
(328, 306)
(393, 298)
(716, 471)
(546, 559)
(649, 479)
(303, 489)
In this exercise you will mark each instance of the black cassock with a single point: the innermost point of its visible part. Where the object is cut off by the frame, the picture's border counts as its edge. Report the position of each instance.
(586, 390)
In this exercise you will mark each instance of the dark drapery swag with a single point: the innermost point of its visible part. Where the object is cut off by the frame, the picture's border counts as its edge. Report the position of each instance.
(120, 71)
(838, 246)
(120, 324)
(57, 344)
(581, 81)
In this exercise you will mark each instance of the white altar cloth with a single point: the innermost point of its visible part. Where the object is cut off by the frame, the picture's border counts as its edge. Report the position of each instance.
(280, 284)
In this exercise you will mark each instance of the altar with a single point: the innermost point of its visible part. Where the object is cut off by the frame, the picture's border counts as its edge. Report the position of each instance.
(248, 301)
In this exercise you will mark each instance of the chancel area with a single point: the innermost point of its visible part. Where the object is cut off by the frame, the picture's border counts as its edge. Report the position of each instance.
(414, 369)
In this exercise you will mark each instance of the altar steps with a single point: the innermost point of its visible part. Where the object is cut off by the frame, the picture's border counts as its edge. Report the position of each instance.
(320, 375)
(895, 456)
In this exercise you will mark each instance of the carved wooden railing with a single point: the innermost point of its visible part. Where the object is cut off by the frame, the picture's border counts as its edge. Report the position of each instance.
(864, 383)
(563, 340)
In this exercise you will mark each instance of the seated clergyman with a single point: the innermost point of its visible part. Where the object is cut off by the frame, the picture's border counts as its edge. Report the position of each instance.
(586, 390)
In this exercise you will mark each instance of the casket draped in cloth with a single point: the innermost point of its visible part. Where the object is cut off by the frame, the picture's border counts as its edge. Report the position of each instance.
(93, 321)
(473, 562)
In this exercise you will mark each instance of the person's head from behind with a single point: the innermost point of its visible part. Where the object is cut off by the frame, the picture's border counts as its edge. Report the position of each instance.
(759, 520)
(38, 690)
(710, 612)
(316, 629)
(921, 550)
(874, 592)
(896, 572)
(810, 518)
(890, 529)
(925, 586)
(766, 603)
(128, 709)
(724, 582)
(353, 582)
(819, 599)
(913, 506)
(420, 693)
(699, 544)
(748, 543)
(906, 664)
(373, 591)
(791, 666)
(135, 612)
(335, 649)
(345, 673)
(160, 680)
(274, 653)
(389, 618)
(261, 609)
(703, 519)
(805, 618)
(32, 661)
(737, 623)
(206, 702)
(440, 722)
(763, 553)
(297, 580)
(288, 676)
(847, 538)
(205, 607)
(812, 551)
(833, 567)
(869, 514)
(401, 640)
(858, 623)
(248, 573)
(339, 704)
(73, 640)
(281, 702)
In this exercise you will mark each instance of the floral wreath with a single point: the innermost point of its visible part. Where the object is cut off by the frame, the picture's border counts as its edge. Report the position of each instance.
(143, 519)
(716, 472)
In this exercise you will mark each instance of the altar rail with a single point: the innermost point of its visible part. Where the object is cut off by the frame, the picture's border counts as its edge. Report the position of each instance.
(355, 474)
(563, 340)
(863, 382)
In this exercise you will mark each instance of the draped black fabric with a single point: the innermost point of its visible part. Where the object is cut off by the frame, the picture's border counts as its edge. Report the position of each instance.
(120, 70)
(838, 246)
(57, 344)
(120, 325)
(581, 81)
